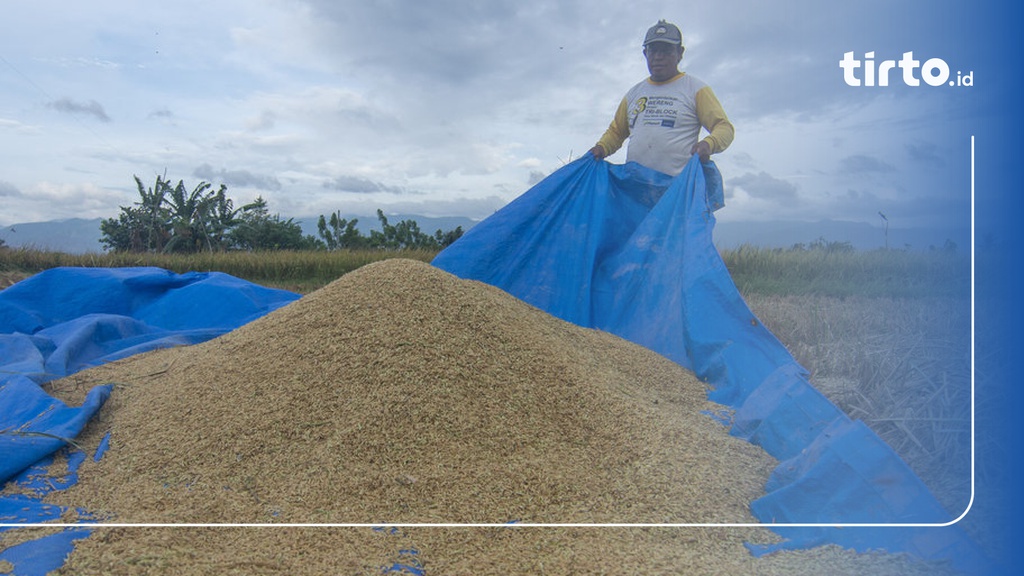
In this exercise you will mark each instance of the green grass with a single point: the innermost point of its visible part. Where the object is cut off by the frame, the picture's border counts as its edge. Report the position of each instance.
(877, 273)
(299, 271)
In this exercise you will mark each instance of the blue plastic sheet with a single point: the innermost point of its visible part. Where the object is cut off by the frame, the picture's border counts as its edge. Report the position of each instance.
(66, 319)
(629, 250)
(39, 556)
(616, 247)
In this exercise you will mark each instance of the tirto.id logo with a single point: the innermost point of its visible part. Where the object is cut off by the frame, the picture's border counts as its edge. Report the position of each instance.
(934, 71)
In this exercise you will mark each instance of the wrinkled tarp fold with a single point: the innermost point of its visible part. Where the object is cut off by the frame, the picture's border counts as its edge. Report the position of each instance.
(628, 250)
(66, 319)
(615, 247)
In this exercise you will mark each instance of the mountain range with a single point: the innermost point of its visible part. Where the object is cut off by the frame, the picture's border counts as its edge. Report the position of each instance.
(81, 236)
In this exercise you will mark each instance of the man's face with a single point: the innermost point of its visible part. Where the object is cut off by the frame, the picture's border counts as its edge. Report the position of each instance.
(663, 60)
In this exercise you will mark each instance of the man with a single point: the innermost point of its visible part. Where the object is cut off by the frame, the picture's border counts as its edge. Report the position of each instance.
(662, 115)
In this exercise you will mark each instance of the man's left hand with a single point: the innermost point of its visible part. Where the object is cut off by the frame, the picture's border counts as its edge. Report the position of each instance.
(703, 149)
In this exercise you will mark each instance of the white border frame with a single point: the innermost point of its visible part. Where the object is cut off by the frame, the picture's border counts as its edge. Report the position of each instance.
(91, 526)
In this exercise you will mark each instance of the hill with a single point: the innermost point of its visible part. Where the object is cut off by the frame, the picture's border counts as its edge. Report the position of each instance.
(862, 236)
(72, 235)
(81, 236)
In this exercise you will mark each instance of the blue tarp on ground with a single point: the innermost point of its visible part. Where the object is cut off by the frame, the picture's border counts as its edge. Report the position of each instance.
(615, 247)
(67, 319)
(629, 250)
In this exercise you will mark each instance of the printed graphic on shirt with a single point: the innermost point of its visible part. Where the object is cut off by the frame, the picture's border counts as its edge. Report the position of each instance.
(655, 111)
(641, 105)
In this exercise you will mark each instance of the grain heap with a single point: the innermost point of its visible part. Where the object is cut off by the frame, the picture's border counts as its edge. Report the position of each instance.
(402, 394)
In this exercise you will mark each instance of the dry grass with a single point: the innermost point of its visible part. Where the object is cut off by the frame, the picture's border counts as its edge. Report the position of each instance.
(11, 278)
(902, 365)
(899, 364)
(400, 393)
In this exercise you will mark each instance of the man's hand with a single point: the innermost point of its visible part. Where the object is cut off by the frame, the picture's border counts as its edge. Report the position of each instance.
(703, 149)
(598, 151)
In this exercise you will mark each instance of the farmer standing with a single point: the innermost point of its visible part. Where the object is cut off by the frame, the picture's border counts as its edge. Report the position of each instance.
(663, 114)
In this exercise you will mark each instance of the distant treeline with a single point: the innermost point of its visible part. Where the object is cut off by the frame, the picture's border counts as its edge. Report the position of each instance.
(173, 219)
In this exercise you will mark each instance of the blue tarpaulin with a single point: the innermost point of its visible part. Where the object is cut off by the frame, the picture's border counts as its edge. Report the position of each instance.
(628, 250)
(64, 320)
(616, 247)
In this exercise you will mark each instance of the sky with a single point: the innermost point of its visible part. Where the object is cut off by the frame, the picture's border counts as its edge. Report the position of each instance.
(455, 108)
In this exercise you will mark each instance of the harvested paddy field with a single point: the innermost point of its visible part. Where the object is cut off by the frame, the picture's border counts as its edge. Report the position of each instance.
(400, 394)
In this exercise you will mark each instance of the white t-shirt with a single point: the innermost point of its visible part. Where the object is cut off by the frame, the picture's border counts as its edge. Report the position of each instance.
(663, 122)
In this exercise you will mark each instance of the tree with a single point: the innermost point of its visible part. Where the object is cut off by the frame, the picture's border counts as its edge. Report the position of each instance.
(200, 219)
(255, 229)
(175, 219)
(445, 239)
(339, 233)
(171, 219)
(142, 228)
(402, 236)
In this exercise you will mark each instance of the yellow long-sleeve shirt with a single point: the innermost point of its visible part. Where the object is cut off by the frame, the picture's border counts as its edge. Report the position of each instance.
(663, 120)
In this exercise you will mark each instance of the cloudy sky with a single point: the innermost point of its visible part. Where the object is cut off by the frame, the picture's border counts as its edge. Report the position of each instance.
(456, 107)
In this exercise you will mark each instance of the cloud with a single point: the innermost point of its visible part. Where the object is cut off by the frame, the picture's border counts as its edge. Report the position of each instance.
(862, 164)
(359, 185)
(764, 186)
(925, 153)
(265, 121)
(44, 201)
(241, 178)
(906, 210)
(479, 58)
(474, 208)
(79, 62)
(9, 190)
(768, 58)
(375, 102)
(446, 44)
(742, 160)
(17, 127)
(91, 108)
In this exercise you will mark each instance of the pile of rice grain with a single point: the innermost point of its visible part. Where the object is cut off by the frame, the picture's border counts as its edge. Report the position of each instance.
(401, 394)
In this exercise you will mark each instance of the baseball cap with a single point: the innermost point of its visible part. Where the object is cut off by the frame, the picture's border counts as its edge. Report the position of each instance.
(664, 32)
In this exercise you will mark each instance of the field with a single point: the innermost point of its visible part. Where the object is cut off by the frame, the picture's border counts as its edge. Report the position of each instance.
(885, 335)
(301, 272)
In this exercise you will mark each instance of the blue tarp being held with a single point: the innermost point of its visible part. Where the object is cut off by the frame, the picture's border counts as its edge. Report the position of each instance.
(629, 250)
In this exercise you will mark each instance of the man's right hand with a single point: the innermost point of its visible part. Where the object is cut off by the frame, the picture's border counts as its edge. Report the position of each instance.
(598, 151)
(702, 149)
